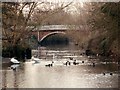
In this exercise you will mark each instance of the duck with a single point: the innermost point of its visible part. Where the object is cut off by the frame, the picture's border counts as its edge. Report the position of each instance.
(111, 73)
(82, 61)
(104, 73)
(67, 63)
(70, 58)
(93, 64)
(75, 63)
(50, 65)
(14, 61)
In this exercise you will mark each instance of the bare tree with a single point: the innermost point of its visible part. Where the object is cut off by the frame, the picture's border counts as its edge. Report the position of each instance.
(48, 15)
(14, 23)
(17, 17)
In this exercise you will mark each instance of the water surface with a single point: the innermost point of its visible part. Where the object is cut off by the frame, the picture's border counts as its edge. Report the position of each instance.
(37, 75)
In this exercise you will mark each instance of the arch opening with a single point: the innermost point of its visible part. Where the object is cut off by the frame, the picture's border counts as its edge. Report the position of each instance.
(56, 38)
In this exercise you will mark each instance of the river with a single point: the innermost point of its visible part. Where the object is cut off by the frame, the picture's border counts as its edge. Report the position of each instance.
(31, 74)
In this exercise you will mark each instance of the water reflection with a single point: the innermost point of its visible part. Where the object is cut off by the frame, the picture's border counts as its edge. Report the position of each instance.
(36, 75)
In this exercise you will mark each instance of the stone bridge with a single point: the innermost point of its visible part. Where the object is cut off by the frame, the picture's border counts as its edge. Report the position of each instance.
(43, 32)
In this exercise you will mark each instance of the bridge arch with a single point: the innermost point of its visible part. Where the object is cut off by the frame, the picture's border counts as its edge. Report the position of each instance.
(52, 33)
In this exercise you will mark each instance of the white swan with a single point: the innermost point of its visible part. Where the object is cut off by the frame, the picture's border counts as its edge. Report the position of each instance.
(14, 61)
(35, 59)
(14, 66)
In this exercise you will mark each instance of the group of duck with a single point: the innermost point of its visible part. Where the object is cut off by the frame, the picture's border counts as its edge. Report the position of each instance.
(67, 63)
(50, 65)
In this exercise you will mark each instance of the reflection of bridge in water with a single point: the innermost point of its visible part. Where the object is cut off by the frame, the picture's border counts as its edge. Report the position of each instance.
(42, 32)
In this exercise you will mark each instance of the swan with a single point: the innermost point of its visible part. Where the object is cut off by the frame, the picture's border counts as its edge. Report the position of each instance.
(14, 61)
(35, 59)
(14, 66)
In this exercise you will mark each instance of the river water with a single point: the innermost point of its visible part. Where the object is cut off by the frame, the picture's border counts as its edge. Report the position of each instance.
(33, 74)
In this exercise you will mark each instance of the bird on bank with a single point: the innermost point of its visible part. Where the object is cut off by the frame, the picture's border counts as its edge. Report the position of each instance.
(14, 61)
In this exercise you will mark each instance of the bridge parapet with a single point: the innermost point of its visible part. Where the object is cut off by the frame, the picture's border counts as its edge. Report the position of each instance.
(57, 27)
